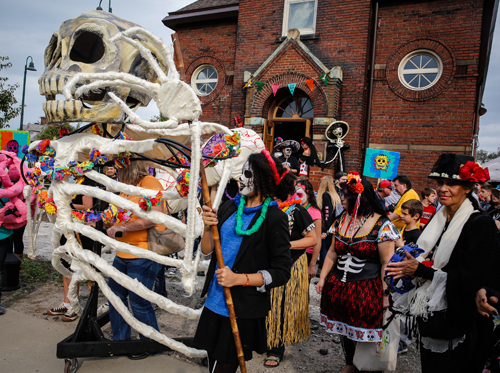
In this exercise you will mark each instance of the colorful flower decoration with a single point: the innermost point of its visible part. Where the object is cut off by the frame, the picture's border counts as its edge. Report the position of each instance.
(473, 172)
(46, 203)
(183, 183)
(96, 129)
(123, 136)
(63, 131)
(97, 157)
(110, 215)
(146, 203)
(122, 160)
(25, 148)
(354, 182)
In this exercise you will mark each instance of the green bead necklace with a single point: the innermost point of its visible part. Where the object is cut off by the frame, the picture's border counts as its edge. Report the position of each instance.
(258, 223)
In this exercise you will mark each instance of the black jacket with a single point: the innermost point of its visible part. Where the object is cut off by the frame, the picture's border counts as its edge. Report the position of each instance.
(267, 249)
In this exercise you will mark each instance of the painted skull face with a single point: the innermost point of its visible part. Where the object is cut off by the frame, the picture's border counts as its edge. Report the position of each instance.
(12, 146)
(287, 152)
(301, 194)
(246, 180)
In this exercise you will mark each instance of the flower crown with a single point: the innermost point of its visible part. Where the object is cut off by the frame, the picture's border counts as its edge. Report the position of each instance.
(354, 182)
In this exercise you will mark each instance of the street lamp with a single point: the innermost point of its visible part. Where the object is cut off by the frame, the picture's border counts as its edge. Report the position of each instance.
(31, 67)
(109, 8)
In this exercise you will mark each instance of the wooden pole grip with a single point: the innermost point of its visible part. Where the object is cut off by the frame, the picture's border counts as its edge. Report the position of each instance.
(220, 261)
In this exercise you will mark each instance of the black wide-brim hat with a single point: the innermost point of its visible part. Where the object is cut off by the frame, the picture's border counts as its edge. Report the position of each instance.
(448, 166)
(288, 144)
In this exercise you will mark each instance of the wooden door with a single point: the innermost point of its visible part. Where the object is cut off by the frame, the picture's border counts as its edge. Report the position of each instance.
(268, 135)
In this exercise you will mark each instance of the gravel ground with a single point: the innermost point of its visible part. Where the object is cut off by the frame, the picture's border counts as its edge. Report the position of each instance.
(302, 357)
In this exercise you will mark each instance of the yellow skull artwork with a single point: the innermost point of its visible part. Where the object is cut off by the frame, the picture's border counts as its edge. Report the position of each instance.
(382, 162)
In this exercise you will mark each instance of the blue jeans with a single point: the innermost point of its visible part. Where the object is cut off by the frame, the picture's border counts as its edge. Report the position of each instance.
(145, 271)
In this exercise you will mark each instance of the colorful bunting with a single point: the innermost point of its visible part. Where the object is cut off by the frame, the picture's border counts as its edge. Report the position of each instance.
(291, 87)
(310, 83)
(324, 78)
(260, 85)
(275, 88)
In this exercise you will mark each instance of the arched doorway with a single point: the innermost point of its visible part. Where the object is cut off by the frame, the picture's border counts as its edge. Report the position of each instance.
(290, 117)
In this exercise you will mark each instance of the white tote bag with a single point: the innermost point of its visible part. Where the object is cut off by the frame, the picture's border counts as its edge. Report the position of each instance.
(383, 355)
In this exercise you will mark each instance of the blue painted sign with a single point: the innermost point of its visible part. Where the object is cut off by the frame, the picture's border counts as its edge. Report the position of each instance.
(381, 164)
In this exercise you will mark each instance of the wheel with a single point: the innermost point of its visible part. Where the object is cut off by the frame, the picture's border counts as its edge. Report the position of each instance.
(70, 365)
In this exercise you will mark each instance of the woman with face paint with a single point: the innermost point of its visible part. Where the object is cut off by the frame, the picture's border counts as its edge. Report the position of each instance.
(256, 249)
(305, 191)
(288, 321)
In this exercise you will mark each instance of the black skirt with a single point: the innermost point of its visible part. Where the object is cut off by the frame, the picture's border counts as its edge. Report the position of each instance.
(214, 335)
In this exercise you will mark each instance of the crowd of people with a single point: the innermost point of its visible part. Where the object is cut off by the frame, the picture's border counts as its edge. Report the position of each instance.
(278, 234)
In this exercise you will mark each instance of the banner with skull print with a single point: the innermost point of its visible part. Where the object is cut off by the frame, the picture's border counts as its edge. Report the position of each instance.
(13, 141)
(381, 164)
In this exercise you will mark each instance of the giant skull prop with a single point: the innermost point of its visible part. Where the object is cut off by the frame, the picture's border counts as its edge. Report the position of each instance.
(93, 48)
(114, 65)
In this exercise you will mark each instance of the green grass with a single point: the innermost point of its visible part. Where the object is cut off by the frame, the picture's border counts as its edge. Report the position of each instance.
(38, 272)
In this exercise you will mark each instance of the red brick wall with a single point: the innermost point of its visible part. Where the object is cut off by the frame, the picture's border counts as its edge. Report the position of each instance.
(214, 43)
(445, 117)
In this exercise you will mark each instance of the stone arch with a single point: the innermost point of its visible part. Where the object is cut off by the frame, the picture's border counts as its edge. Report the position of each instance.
(262, 101)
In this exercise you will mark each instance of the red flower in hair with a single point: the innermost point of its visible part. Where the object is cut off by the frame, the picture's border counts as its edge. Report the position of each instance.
(474, 173)
(354, 182)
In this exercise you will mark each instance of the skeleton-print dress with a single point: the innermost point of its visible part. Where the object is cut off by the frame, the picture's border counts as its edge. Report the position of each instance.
(352, 300)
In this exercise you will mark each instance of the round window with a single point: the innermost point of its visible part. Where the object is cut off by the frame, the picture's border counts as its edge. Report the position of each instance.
(420, 70)
(204, 80)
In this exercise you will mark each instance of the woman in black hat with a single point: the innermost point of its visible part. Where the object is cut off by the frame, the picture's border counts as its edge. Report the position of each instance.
(461, 252)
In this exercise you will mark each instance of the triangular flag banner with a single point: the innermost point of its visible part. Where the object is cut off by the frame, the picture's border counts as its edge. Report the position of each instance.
(324, 78)
(310, 83)
(260, 85)
(275, 88)
(291, 87)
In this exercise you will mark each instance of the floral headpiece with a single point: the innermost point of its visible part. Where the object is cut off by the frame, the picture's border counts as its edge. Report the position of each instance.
(270, 159)
(473, 172)
(354, 182)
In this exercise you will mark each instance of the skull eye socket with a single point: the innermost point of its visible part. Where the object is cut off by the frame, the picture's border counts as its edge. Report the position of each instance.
(87, 48)
(248, 174)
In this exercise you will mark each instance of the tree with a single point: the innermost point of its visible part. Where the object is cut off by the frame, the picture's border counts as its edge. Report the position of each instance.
(484, 156)
(159, 118)
(7, 98)
(49, 132)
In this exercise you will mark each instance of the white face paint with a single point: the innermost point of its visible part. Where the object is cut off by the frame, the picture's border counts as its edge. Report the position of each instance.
(301, 194)
(246, 180)
(287, 151)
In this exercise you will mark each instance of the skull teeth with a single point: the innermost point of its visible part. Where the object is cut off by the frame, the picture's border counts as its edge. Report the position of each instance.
(58, 111)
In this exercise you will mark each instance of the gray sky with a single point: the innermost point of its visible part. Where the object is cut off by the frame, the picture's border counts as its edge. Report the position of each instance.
(26, 27)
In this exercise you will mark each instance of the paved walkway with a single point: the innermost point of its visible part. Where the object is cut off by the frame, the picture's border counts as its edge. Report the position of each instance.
(28, 345)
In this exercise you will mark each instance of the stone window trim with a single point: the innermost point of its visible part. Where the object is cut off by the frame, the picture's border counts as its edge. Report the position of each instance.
(221, 72)
(422, 73)
(433, 47)
(286, 13)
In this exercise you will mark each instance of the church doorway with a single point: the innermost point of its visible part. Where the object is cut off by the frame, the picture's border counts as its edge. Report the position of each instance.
(290, 117)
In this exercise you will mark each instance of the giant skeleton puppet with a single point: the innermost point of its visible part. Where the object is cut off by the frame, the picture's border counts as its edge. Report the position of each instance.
(106, 67)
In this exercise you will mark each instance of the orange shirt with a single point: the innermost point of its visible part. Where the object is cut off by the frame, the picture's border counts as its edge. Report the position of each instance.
(138, 238)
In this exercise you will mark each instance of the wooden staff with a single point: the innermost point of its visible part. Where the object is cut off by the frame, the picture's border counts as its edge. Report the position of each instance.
(220, 261)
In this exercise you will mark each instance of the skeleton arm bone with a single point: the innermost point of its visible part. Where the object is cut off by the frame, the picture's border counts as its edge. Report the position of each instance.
(159, 44)
(116, 83)
(154, 216)
(70, 85)
(146, 53)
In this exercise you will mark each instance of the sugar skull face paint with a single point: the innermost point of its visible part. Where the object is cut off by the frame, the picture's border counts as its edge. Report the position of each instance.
(246, 180)
(301, 194)
(287, 151)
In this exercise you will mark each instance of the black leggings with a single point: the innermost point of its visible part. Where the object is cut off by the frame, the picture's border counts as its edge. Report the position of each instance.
(5, 247)
(17, 239)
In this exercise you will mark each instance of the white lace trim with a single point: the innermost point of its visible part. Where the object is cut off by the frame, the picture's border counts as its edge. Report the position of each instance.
(441, 345)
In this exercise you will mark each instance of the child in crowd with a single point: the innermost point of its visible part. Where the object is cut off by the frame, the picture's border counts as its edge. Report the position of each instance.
(411, 212)
(428, 199)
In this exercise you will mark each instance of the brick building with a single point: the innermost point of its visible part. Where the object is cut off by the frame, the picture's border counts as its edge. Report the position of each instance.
(405, 76)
